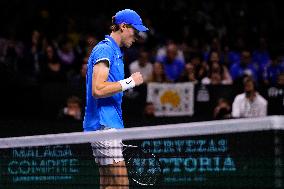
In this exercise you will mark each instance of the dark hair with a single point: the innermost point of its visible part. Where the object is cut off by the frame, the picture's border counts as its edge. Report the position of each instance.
(248, 79)
(194, 55)
(223, 100)
(74, 99)
(114, 27)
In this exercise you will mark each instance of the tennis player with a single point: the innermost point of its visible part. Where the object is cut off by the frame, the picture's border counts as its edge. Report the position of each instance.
(105, 86)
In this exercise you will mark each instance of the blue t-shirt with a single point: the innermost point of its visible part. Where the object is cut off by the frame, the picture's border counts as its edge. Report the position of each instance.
(271, 73)
(104, 111)
(173, 69)
(237, 71)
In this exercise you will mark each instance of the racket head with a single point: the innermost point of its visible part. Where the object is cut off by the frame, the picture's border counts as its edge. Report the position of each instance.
(143, 168)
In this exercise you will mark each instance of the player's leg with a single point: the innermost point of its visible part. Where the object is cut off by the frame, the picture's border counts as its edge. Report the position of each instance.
(120, 178)
(113, 173)
(104, 179)
(114, 176)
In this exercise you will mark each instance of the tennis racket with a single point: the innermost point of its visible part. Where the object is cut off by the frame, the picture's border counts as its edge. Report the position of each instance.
(143, 168)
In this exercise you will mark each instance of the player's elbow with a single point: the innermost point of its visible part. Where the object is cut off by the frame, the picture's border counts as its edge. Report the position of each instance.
(97, 93)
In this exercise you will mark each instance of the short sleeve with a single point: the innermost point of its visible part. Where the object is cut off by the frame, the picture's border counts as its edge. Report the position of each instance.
(103, 52)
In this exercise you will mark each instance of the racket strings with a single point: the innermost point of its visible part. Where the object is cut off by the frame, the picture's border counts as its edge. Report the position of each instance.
(144, 168)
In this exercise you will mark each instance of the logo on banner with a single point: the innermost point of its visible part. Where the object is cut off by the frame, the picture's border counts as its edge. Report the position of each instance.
(191, 160)
(48, 163)
(171, 99)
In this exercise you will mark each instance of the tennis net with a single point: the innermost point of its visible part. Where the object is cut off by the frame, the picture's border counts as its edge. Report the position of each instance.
(237, 153)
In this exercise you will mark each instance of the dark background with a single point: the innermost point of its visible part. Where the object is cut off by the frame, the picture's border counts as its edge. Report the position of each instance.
(29, 106)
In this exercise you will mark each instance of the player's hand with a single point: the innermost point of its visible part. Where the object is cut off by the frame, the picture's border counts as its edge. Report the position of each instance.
(137, 77)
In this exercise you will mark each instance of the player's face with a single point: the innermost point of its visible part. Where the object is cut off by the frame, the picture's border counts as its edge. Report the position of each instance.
(129, 36)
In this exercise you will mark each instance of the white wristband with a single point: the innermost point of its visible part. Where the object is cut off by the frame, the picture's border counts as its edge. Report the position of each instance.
(127, 83)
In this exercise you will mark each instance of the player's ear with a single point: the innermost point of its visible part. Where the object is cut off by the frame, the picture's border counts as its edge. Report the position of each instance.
(122, 27)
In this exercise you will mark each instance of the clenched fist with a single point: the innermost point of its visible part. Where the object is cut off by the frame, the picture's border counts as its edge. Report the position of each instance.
(137, 77)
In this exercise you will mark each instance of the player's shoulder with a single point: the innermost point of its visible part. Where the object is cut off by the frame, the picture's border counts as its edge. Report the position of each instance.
(101, 46)
(102, 49)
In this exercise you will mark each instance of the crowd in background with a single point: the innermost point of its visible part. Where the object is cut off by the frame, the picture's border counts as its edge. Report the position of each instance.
(208, 43)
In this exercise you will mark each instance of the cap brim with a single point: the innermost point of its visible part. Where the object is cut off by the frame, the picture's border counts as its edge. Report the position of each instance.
(140, 28)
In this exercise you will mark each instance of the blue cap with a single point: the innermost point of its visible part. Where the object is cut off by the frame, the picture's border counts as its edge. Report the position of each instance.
(130, 17)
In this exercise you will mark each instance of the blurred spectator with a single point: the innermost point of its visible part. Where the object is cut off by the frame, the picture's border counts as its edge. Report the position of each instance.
(246, 67)
(232, 53)
(67, 56)
(51, 69)
(72, 110)
(30, 50)
(158, 74)
(10, 58)
(162, 51)
(142, 65)
(214, 78)
(32, 65)
(90, 43)
(200, 67)
(230, 57)
(215, 47)
(189, 74)
(80, 79)
(148, 114)
(261, 55)
(218, 73)
(13, 56)
(250, 103)
(191, 49)
(201, 71)
(172, 64)
(72, 33)
(149, 110)
(222, 110)
(273, 70)
(275, 97)
(215, 66)
(280, 80)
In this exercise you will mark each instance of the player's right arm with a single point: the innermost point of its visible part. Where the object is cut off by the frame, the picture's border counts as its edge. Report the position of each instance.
(102, 88)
